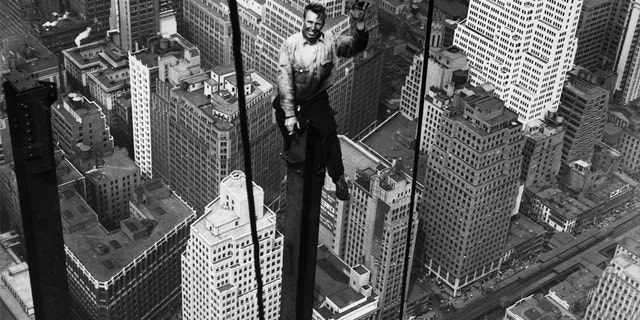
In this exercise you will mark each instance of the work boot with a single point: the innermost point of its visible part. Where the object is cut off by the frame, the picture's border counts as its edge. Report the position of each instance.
(342, 189)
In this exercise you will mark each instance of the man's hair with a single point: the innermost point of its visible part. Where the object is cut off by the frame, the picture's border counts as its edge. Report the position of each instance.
(316, 8)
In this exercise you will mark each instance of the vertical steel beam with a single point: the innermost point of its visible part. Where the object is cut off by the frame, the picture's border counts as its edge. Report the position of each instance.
(28, 106)
(305, 178)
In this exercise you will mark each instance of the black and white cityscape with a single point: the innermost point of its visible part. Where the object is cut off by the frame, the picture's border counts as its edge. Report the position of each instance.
(491, 151)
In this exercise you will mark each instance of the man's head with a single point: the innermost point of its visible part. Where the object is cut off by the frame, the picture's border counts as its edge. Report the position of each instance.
(314, 16)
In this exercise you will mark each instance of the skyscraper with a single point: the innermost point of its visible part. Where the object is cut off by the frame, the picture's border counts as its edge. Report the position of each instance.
(79, 124)
(592, 36)
(145, 67)
(196, 140)
(619, 288)
(133, 273)
(209, 27)
(583, 107)
(472, 177)
(542, 152)
(377, 232)
(523, 48)
(218, 268)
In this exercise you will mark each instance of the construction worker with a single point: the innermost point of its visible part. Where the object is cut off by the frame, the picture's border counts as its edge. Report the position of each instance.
(306, 61)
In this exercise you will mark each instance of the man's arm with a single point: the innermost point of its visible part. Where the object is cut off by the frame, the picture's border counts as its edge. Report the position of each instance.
(349, 46)
(286, 84)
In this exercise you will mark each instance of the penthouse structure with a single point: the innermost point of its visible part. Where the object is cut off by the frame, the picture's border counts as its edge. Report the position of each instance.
(219, 280)
(473, 172)
(196, 140)
(523, 48)
(115, 275)
(79, 124)
(583, 106)
(145, 67)
(343, 292)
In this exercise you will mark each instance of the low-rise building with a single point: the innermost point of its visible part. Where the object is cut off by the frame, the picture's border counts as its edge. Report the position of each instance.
(535, 307)
(525, 238)
(575, 292)
(15, 283)
(342, 292)
(567, 211)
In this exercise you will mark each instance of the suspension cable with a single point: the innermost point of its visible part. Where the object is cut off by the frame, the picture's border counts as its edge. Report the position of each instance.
(237, 57)
(416, 154)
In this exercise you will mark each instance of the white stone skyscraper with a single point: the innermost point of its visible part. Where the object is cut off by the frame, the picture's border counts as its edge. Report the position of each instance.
(218, 279)
(523, 48)
(146, 66)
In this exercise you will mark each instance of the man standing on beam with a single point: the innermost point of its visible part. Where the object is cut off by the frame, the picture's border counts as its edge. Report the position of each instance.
(304, 76)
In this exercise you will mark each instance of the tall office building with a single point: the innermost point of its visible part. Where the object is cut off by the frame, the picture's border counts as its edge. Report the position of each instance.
(523, 48)
(217, 266)
(196, 140)
(110, 181)
(79, 124)
(592, 36)
(619, 288)
(377, 232)
(583, 107)
(208, 25)
(342, 292)
(542, 151)
(145, 67)
(442, 65)
(472, 177)
(133, 273)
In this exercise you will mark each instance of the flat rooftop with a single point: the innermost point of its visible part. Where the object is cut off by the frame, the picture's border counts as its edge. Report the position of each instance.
(332, 283)
(176, 46)
(538, 307)
(29, 54)
(65, 171)
(116, 165)
(577, 285)
(105, 254)
(394, 139)
(18, 281)
(104, 52)
(523, 230)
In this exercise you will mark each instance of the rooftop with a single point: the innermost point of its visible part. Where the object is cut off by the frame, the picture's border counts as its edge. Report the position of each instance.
(629, 266)
(577, 285)
(538, 307)
(523, 230)
(113, 166)
(174, 45)
(394, 140)
(332, 283)
(65, 171)
(26, 52)
(17, 278)
(105, 254)
(99, 52)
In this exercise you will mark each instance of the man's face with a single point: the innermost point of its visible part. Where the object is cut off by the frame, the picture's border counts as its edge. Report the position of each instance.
(313, 24)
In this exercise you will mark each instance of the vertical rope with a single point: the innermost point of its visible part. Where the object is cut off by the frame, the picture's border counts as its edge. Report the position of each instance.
(416, 154)
(237, 55)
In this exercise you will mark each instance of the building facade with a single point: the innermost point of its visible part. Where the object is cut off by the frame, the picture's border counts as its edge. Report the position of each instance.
(472, 174)
(145, 66)
(583, 107)
(542, 151)
(217, 265)
(523, 48)
(197, 139)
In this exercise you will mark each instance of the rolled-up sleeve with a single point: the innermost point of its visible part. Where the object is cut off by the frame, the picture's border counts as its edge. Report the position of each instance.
(349, 46)
(285, 81)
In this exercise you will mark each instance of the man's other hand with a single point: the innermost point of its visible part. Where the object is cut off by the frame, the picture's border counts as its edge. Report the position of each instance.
(359, 10)
(291, 124)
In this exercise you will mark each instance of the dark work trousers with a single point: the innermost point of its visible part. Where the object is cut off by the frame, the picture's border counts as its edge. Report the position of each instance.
(320, 116)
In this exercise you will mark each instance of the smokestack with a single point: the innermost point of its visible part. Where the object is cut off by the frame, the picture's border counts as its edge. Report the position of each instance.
(83, 35)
